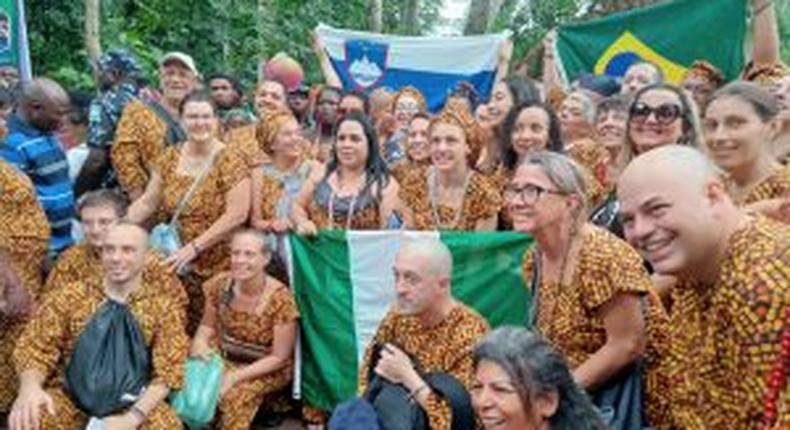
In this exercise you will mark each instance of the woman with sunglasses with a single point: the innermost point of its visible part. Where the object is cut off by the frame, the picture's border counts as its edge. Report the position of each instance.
(739, 124)
(355, 191)
(450, 195)
(528, 128)
(591, 294)
(659, 115)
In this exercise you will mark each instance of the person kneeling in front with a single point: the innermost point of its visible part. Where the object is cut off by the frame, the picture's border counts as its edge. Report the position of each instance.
(91, 334)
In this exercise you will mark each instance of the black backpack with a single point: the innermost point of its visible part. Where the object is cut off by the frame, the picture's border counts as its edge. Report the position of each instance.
(111, 365)
(397, 411)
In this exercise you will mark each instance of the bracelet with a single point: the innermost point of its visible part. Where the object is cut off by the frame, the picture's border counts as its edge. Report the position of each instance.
(419, 389)
(760, 9)
(138, 413)
(195, 247)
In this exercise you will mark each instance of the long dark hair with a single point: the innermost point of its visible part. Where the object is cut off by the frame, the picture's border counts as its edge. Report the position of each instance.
(523, 90)
(535, 369)
(509, 156)
(375, 167)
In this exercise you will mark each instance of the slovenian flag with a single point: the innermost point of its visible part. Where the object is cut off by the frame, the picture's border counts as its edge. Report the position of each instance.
(434, 65)
(671, 34)
(343, 284)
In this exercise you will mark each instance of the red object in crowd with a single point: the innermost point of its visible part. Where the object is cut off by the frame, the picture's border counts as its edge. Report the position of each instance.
(777, 378)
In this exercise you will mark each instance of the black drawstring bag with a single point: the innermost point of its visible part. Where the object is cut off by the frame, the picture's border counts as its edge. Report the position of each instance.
(110, 365)
(396, 410)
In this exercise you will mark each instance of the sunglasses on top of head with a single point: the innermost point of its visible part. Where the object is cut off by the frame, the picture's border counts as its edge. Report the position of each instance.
(664, 113)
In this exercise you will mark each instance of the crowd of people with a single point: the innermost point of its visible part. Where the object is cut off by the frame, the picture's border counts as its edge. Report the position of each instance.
(660, 269)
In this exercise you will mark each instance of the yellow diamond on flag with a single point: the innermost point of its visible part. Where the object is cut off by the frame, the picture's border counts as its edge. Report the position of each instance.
(628, 49)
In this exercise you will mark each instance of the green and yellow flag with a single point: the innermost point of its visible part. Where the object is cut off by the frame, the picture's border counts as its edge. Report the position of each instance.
(672, 35)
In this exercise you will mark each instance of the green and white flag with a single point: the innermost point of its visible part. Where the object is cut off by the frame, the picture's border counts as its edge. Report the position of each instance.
(343, 285)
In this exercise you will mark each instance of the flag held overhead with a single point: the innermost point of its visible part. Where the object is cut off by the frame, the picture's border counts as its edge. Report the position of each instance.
(671, 35)
(627, 50)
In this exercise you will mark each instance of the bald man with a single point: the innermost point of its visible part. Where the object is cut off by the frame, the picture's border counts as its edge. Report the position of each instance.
(46, 346)
(32, 148)
(729, 308)
(429, 324)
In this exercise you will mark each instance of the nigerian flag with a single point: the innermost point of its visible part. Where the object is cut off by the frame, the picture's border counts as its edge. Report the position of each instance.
(671, 34)
(343, 285)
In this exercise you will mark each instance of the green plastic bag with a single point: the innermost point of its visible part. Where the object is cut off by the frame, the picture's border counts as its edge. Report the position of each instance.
(196, 403)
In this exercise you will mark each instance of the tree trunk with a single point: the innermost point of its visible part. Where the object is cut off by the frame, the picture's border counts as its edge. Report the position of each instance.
(478, 18)
(411, 23)
(92, 38)
(376, 8)
(264, 19)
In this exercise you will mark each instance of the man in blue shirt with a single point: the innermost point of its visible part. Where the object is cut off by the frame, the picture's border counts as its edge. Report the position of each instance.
(32, 147)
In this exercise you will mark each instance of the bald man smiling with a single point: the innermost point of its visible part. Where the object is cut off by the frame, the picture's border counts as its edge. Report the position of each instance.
(729, 308)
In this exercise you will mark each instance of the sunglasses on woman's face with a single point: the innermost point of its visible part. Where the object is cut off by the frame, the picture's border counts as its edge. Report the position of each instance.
(664, 114)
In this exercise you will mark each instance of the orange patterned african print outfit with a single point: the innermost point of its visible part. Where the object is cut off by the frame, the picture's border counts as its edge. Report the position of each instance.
(606, 266)
(24, 231)
(446, 347)
(245, 142)
(204, 208)
(50, 337)
(405, 169)
(481, 202)
(239, 405)
(139, 142)
(82, 263)
(774, 186)
(726, 337)
(595, 159)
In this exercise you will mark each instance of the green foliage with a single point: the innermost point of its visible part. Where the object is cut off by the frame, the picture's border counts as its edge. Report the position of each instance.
(783, 17)
(222, 35)
(235, 35)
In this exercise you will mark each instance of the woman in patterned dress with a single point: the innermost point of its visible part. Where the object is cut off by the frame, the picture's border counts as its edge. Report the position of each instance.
(738, 125)
(251, 319)
(591, 294)
(527, 128)
(355, 191)
(418, 154)
(219, 204)
(577, 121)
(275, 184)
(660, 114)
(450, 195)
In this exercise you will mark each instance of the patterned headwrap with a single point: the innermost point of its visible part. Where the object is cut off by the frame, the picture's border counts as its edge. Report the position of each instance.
(457, 114)
(704, 70)
(767, 74)
(269, 126)
(119, 60)
(412, 92)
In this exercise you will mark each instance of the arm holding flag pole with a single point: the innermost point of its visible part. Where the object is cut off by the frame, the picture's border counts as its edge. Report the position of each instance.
(503, 59)
(765, 46)
(330, 76)
(551, 78)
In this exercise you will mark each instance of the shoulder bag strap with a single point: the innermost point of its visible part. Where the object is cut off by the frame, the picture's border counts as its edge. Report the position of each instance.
(534, 302)
(182, 204)
(174, 133)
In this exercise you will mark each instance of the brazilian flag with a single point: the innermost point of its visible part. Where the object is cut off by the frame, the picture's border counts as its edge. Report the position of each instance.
(671, 34)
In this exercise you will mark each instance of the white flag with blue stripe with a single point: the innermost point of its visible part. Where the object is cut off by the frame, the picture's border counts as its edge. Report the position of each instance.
(434, 65)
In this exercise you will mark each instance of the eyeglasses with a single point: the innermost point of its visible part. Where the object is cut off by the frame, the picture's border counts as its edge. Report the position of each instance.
(528, 194)
(664, 114)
